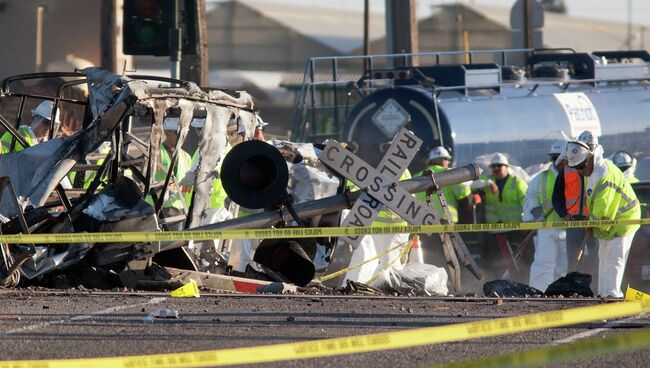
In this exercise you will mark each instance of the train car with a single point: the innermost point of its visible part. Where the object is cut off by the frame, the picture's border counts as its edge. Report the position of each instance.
(478, 109)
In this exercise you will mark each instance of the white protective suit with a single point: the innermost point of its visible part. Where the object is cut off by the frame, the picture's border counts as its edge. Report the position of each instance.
(550, 261)
(371, 246)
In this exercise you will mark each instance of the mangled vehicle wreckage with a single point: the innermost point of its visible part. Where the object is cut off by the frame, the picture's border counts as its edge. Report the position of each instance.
(100, 166)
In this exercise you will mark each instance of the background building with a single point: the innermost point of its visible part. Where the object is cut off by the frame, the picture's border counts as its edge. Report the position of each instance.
(263, 46)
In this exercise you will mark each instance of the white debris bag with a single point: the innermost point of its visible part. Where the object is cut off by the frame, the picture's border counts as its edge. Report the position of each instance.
(414, 279)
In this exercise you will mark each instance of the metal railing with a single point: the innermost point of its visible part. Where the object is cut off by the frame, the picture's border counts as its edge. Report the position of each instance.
(331, 78)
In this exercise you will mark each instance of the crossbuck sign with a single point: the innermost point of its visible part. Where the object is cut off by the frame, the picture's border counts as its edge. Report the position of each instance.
(380, 183)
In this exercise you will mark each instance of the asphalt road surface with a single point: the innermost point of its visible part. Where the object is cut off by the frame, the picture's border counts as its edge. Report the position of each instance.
(76, 324)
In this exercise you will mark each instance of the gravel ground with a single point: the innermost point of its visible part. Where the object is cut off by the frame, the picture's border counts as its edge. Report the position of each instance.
(75, 324)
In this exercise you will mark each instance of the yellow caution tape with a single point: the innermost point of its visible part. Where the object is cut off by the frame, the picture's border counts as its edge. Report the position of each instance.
(632, 294)
(189, 290)
(316, 232)
(587, 349)
(332, 275)
(353, 344)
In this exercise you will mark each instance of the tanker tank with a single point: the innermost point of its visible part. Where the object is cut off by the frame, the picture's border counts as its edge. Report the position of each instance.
(482, 108)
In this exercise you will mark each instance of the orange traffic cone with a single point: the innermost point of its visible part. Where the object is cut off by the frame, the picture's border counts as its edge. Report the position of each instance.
(415, 254)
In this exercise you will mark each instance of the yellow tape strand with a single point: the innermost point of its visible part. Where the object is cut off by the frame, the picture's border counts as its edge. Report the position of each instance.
(345, 270)
(281, 233)
(403, 255)
(353, 344)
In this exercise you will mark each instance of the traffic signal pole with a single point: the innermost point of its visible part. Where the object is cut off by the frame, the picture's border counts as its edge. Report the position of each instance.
(175, 42)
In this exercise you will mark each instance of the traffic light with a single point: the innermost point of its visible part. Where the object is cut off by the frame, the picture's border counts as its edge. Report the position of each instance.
(146, 26)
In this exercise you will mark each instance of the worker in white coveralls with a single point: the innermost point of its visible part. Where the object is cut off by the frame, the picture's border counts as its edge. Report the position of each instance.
(550, 261)
(609, 197)
(372, 245)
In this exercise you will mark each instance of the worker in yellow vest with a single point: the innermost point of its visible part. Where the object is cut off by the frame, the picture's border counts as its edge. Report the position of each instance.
(440, 160)
(609, 197)
(34, 133)
(504, 195)
(174, 202)
(504, 192)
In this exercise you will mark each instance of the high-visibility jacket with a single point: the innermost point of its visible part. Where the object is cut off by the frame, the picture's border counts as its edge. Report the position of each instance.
(26, 132)
(89, 176)
(172, 194)
(574, 193)
(507, 205)
(546, 184)
(611, 198)
(569, 195)
(452, 193)
(539, 197)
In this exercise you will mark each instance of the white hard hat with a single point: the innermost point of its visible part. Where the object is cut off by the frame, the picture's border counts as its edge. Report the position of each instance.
(439, 152)
(499, 159)
(622, 160)
(577, 152)
(170, 123)
(588, 138)
(44, 110)
(557, 147)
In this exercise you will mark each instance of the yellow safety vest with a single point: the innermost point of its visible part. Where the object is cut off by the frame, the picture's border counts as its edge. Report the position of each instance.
(6, 139)
(508, 205)
(452, 193)
(172, 199)
(613, 198)
(546, 184)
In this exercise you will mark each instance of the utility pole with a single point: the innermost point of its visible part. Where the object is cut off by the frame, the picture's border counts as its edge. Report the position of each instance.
(401, 30)
(366, 32)
(366, 27)
(38, 62)
(629, 24)
(175, 41)
(108, 35)
(528, 31)
(194, 67)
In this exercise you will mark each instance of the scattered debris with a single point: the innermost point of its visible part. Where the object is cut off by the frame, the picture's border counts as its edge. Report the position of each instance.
(507, 288)
(574, 283)
(275, 288)
(165, 313)
(353, 287)
(160, 313)
(414, 279)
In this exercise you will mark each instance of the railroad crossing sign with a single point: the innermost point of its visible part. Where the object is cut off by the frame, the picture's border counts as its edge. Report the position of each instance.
(390, 169)
(380, 189)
